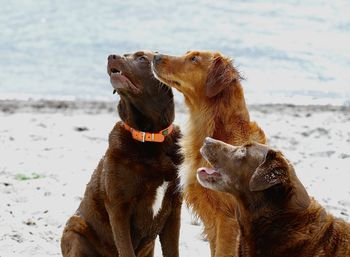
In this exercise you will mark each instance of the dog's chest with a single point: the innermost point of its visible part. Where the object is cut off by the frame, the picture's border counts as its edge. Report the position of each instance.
(151, 215)
(151, 203)
(159, 197)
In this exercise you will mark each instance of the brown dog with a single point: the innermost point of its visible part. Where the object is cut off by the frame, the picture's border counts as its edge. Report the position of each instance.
(133, 195)
(277, 218)
(212, 90)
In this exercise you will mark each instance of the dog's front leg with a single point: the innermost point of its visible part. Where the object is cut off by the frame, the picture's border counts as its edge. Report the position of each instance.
(227, 232)
(169, 237)
(119, 216)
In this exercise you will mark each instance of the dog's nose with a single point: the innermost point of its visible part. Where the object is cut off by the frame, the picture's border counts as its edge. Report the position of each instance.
(113, 57)
(157, 58)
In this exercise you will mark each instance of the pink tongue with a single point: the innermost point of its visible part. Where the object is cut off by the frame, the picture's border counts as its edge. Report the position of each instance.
(207, 170)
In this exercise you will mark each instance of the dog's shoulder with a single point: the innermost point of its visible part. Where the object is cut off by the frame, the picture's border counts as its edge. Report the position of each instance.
(332, 234)
(320, 231)
(256, 133)
(118, 137)
(174, 148)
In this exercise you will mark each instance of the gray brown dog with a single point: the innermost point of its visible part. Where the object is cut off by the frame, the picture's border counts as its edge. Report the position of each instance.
(133, 194)
(277, 218)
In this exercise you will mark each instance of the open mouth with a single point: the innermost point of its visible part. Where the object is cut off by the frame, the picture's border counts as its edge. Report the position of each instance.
(208, 175)
(209, 172)
(114, 70)
(120, 81)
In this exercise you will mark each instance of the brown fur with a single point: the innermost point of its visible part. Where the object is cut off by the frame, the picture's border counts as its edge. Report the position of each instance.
(213, 92)
(115, 217)
(277, 217)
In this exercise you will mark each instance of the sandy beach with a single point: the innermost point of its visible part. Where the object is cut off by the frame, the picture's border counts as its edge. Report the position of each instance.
(49, 149)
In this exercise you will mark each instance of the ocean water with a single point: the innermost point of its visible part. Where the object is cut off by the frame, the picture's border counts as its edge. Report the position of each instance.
(289, 51)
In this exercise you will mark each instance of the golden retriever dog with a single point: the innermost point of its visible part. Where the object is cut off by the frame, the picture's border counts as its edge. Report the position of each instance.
(214, 95)
(277, 218)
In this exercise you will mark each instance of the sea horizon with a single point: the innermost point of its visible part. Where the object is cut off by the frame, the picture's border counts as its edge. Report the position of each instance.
(293, 52)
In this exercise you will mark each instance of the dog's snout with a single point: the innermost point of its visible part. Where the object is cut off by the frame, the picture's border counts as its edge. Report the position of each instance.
(113, 57)
(201, 150)
(209, 141)
(157, 58)
(207, 145)
(208, 149)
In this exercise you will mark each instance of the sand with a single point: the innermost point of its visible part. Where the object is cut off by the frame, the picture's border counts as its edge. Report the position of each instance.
(49, 149)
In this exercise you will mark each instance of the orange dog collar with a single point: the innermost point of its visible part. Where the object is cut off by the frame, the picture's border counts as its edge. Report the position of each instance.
(147, 136)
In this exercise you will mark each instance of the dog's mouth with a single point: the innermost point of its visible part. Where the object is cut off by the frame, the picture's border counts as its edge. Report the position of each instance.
(208, 175)
(205, 174)
(120, 81)
(114, 70)
(167, 81)
(211, 172)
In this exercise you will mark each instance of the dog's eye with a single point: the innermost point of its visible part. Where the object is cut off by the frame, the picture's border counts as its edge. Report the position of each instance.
(241, 152)
(194, 59)
(142, 58)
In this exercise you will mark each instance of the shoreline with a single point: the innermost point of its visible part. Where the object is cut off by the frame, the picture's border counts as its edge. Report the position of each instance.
(97, 106)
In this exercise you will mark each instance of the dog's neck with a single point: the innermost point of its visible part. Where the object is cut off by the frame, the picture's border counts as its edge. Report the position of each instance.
(271, 222)
(224, 117)
(141, 120)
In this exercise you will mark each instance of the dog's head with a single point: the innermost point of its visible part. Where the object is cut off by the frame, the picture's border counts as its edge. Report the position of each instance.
(197, 74)
(131, 77)
(251, 171)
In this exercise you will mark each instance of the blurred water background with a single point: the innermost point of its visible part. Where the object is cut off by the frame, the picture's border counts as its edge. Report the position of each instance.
(290, 51)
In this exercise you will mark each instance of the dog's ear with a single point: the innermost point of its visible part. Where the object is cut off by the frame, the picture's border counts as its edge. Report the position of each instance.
(220, 75)
(273, 171)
